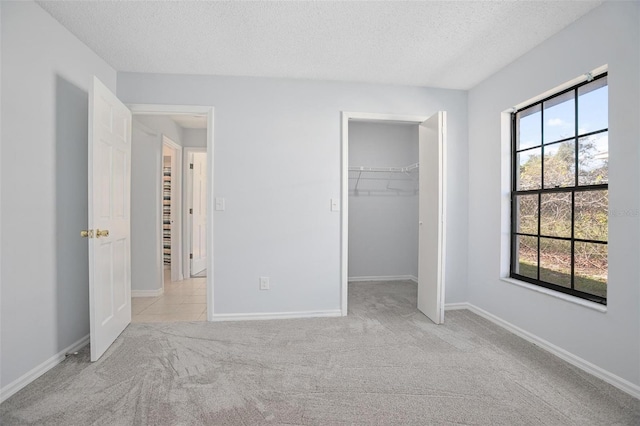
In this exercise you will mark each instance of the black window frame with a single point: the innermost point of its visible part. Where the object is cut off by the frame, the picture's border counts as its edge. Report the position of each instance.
(542, 190)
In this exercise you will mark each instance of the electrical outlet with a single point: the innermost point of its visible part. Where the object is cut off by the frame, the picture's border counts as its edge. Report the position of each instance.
(264, 283)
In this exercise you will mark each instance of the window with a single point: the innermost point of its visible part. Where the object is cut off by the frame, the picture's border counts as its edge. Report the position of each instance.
(560, 199)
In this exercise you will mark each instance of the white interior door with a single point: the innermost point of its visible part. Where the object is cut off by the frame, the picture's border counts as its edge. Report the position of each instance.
(109, 218)
(431, 239)
(199, 213)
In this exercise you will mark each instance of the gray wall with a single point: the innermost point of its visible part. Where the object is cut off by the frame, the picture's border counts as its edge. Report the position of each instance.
(163, 124)
(194, 138)
(146, 201)
(277, 163)
(146, 193)
(607, 35)
(46, 75)
(383, 224)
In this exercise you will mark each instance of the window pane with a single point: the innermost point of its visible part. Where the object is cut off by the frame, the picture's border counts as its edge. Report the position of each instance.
(592, 215)
(528, 128)
(526, 263)
(530, 166)
(593, 106)
(593, 159)
(559, 165)
(527, 214)
(555, 214)
(561, 158)
(559, 117)
(591, 266)
(555, 262)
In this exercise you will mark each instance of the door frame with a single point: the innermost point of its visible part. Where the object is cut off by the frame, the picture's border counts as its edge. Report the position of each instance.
(165, 109)
(347, 116)
(188, 192)
(176, 207)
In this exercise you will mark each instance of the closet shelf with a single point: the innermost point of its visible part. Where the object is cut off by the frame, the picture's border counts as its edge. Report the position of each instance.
(393, 175)
(405, 169)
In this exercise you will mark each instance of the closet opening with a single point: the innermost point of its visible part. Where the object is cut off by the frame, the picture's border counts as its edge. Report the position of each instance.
(393, 212)
(383, 214)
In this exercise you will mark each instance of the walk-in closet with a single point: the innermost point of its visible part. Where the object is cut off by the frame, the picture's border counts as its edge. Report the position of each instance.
(383, 202)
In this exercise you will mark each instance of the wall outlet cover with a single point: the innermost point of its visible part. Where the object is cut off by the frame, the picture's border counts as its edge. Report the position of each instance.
(264, 283)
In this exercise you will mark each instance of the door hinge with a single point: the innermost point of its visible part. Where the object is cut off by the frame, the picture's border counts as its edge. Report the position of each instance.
(191, 166)
(190, 211)
(190, 255)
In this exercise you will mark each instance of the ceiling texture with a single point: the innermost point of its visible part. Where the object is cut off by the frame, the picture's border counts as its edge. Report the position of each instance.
(447, 44)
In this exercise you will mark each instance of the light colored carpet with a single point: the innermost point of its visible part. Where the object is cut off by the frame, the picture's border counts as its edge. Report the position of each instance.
(383, 364)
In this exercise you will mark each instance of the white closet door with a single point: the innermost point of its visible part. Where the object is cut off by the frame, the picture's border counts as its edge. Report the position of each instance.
(431, 227)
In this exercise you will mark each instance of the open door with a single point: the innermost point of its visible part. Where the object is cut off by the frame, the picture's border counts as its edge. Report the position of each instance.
(109, 218)
(199, 213)
(431, 238)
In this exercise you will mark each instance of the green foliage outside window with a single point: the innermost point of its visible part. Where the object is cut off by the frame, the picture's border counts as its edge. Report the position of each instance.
(561, 197)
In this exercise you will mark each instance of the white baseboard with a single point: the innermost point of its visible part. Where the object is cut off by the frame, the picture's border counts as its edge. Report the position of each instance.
(13, 387)
(614, 380)
(456, 306)
(385, 278)
(147, 293)
(277, 315)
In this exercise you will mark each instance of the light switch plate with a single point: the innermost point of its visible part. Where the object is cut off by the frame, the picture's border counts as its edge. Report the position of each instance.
(335, 205)
(264, 283)
(220, 204)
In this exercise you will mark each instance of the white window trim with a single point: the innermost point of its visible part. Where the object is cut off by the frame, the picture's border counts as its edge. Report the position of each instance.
(557, 294)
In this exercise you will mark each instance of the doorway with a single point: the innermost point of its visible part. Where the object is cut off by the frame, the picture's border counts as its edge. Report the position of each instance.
(424, 180)
(182, 296)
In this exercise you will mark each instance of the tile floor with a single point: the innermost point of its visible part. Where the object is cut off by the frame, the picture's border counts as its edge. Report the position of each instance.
(201, 274)
(182, 301)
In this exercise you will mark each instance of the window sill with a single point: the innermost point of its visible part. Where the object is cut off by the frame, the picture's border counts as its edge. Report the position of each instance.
(558, 295)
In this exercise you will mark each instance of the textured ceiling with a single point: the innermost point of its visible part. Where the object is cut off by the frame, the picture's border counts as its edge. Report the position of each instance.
(451, 44)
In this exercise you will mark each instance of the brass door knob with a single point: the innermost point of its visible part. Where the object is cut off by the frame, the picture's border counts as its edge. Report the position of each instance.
(87, 234)
(103, 233)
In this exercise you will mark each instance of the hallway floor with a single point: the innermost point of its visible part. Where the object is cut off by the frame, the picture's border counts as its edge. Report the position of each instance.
(182, 301)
